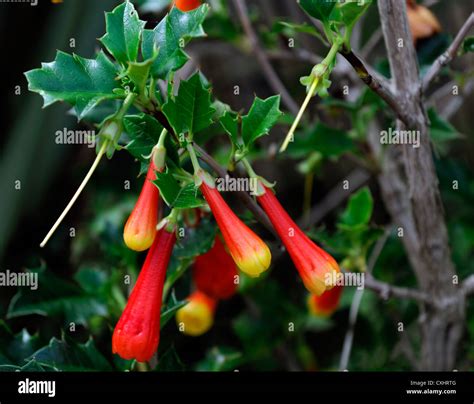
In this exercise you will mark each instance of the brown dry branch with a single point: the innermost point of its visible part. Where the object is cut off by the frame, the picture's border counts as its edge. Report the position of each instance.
(410, 190)
(445, 58)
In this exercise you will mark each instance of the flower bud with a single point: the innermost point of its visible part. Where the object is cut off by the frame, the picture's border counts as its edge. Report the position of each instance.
(197, 317)
(137, 333)
(315, 266)
(215, 272)
(140, 229)
(249, 252)
(326, 304)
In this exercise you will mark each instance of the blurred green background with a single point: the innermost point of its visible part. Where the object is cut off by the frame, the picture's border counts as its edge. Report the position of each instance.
(83, 272)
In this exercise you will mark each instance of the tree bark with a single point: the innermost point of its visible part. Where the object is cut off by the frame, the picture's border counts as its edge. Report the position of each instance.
(410, 189)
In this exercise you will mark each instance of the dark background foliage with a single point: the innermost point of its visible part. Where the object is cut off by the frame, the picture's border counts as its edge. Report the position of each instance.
(84, 273)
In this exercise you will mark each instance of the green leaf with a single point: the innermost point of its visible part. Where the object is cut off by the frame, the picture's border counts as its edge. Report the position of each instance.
(220, 359)
(468, 44)
(350, 11)
(92, 279)
(187, 198)
(176, 269)
(56, 297)
(31, 366)
(196, 241)
(191, 110)
(168, 312)
(123, 33)
(67, 355)
(359, 210)
(291, 29)
(170, 36)
(230, 122)
(138, 73)
(14, 349)
(441, 131)
(262, 116)
(168, 186)
(319, 9)
(22, 346)
(169, 361)
(83, 83)
(330, 142)
(144, 132)
(174, 195)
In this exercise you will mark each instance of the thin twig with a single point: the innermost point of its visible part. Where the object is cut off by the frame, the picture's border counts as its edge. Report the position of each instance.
(378, 84)
(359, 293)
(335, 197)
(245, 198)
(468, 285)
(451, 107)
(371, 43)
(272, 77)
(446, 57)
(301, 55)
(386, 290)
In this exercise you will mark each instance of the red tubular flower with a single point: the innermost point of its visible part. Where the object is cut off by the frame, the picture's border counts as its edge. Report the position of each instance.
(187, 5)
(140, 229)
(327, 303)
(248, 250)
(197, 317)
(316, 267)
(214, 272)
(137, 333)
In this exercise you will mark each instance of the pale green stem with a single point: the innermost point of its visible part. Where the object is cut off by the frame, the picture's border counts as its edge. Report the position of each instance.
(324, 64)
(194, 159)
(78, 192)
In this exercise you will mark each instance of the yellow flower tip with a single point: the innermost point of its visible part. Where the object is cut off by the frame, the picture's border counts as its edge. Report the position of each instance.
(316, 285)
(195, 319)
(319, 281)
(255, 263)
(138, 242)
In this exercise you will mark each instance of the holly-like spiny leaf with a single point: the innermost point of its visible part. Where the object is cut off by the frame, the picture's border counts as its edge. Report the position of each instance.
(83, 83)
(191, 110)
(230, 122)
(67, 355)
(124, 30)
(319, 9)
(144, 132)
(170, 36)
(56, 297)
(262, 116)
(349, 12)
(176, 196)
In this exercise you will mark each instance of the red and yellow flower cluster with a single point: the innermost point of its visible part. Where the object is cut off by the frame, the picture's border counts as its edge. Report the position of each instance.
(215, 273)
